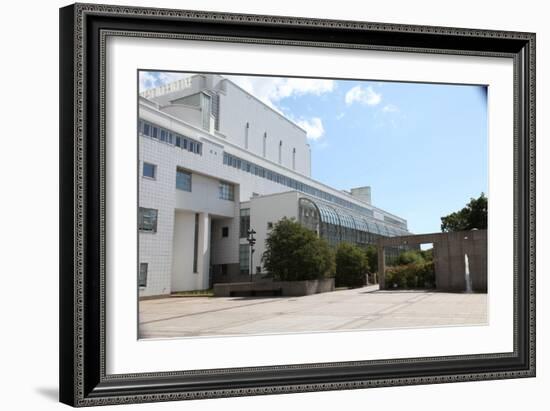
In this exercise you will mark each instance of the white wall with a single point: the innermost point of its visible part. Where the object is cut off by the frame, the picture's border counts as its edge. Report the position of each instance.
(270, 209)
(183, 276)
(155, 249)
(204, 197)
(237, 108)
(28, 307)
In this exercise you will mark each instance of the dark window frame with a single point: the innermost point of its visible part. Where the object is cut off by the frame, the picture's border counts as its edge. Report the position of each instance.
(142, 222)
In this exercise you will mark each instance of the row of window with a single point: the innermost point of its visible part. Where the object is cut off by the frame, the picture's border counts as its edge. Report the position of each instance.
(183, 142)
(244, 165)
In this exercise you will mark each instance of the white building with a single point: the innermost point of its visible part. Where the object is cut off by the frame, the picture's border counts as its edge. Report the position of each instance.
(214, 161)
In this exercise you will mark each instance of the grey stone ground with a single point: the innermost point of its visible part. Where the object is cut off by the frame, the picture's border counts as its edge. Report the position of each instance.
(357, 309)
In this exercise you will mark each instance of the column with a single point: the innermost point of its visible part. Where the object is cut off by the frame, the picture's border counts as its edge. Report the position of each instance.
(381, 266)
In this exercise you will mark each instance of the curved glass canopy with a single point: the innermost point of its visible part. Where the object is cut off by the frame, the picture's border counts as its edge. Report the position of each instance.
(337, 224)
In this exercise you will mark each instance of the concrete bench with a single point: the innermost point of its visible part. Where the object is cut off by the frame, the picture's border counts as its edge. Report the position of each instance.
(266, 288)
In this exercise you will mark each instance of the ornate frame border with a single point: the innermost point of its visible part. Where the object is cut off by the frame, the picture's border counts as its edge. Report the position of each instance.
(84, 29)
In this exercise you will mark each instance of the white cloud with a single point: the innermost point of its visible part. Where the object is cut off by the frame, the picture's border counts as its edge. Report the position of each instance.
(390, 108)
(270, 90)
(363, 95)
(314, 128)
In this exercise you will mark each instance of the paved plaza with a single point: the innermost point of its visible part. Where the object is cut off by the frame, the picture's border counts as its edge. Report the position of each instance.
(357, 309)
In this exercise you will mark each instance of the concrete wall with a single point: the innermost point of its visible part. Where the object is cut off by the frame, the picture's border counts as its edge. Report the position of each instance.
(192, 115)
(449, 261)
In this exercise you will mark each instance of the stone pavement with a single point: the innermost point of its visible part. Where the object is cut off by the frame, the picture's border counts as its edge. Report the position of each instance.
(357, 309)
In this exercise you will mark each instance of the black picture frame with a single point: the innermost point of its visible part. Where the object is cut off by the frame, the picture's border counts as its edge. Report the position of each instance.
(83, 381)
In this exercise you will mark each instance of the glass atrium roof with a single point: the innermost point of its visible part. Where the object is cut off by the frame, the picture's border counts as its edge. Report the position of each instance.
(333, 214)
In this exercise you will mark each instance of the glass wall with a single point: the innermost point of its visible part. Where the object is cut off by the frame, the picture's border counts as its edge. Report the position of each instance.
(245, 222)
(337, 224)
(244, 258)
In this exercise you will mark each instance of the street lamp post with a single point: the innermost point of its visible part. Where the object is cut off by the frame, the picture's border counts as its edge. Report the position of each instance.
(251, 241)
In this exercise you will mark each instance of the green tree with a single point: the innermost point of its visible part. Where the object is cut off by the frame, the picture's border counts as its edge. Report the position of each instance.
(372, 258)
(474, 215)
(294, 253)
(410, 257)
(351, 265)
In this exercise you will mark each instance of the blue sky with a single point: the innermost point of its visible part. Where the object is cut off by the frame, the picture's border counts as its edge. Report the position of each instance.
(421, 147)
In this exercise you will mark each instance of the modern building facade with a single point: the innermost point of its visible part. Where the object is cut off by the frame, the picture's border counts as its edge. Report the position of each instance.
(215, 161)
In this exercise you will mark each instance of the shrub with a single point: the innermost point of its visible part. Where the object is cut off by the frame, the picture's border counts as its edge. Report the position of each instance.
(412, 275)
(294, 253)
(410, 257)
(351, 266)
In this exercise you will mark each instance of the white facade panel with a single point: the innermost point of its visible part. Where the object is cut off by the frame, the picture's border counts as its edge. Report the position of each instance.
(264, 213)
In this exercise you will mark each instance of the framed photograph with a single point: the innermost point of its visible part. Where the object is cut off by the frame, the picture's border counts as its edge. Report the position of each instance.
(261, 204)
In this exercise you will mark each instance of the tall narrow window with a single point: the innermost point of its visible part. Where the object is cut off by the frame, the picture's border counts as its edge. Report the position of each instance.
(183, 180)
(294, 158)
(247, 127)
(280, 151)
(244, 258)
(196, 244)
(142, 276)
(264, 144)
(206, 108)
(245, 221)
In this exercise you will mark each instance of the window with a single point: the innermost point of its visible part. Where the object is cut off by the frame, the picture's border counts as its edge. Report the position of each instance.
(245, 222)
(147, 219)
(264, 144)
(246, 135)
(172, 138)
(294, 158)
(224, 269)
(244, 257)
(280, 151)
(149, 170)
(227, 191)
(225, 231)
(206, 108)
(196, 244)
(183, 180)
(142, 276)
